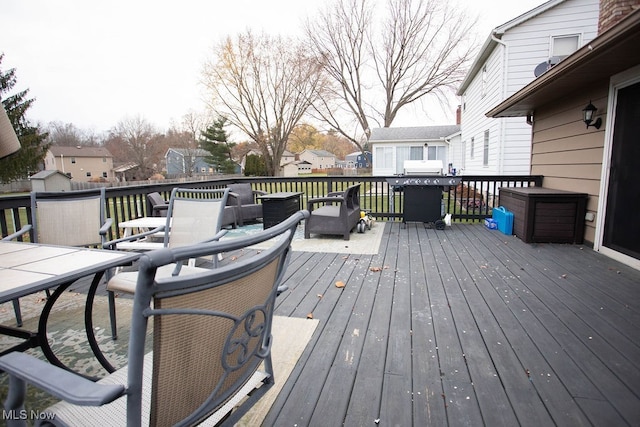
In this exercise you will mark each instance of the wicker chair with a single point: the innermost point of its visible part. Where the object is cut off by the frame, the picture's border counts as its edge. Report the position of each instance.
(337, 213)
(212, 332)
(243, 200)
(74, 218)
(159, 205)
(193, 216)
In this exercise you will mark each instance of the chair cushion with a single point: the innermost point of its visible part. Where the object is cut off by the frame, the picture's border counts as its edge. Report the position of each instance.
(115, 413)
(126, 281)
(327, 210)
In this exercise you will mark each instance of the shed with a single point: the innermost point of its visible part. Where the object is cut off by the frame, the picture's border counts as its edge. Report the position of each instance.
(50, 180)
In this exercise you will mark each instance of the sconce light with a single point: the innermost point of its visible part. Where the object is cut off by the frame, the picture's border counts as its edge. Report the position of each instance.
(587, 116)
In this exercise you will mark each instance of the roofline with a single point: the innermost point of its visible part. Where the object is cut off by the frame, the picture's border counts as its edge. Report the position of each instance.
(495, 37)
(579, 60)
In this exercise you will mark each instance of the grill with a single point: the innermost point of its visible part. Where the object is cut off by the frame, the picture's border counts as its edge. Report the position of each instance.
(422, 183)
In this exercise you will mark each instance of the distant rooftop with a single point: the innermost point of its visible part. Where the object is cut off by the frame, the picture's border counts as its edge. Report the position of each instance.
(416, 133)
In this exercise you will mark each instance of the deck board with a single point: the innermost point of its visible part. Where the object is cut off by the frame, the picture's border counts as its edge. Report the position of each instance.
(464, 326)
(461, 327)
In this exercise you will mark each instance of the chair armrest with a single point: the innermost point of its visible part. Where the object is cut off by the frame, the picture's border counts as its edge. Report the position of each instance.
(217, 236)
(24, 230)
(233, 199)
(326, 200)
(259, 193)
(323, 200)
(106, 226)
(111, 244)
(162, 207)
(59, 382)
(335, 194)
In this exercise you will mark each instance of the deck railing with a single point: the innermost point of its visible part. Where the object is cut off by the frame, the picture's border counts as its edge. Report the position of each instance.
(472, 200)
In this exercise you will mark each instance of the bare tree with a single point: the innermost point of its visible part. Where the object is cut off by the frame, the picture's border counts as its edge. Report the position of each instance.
(135, 140)
(417, 50)
(67, 134)
(263, 86)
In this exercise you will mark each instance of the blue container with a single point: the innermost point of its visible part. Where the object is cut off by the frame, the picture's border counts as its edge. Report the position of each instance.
(504, 218)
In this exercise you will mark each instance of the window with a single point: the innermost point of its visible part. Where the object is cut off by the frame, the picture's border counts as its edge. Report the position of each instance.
(437, 152)
(383, 157)
(564, 45)
(472, 153)
(485, 149)
(464, 155)
(484, 81)
(104, 174)
(73, 160)
(88, 174)
(407, 153)
(104, 160)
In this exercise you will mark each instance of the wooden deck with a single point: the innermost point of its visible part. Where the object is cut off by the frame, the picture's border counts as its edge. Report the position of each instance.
(463, 327)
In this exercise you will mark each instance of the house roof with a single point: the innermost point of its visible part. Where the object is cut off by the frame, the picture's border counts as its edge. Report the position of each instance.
(79, 151)
(125, 167)
(321, 153)
(198, 152)
(494, 39)
(416, 133)
(610, 53)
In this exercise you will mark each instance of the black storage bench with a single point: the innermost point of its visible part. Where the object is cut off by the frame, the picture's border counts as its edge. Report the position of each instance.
(546, 215)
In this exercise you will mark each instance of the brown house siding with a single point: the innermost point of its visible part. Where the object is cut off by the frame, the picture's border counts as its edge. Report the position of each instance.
(566, 153)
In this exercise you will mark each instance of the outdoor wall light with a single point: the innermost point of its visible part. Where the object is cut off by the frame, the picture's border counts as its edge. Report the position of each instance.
(588, 113)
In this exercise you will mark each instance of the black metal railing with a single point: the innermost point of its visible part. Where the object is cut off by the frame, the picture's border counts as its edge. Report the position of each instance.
(472, 200)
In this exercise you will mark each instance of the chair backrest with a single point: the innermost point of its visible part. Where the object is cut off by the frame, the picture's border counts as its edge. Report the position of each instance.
(72, 218)
(194, 215)
(155, 199)
(244, 192)
(211, 329)
(352, 197)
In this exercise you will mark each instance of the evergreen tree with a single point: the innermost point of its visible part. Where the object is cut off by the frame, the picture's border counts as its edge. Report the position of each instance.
(214, 140)
(255, 166)
(33, 149)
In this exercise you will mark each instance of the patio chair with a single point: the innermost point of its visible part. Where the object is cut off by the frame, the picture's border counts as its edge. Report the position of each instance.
(159, 205)
(194, 216)
(74, 218)
(211, 335)
(243, 199)
(337, 213)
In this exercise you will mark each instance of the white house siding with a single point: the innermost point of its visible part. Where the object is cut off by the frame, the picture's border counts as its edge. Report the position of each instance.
(395, 167)
(510, 67)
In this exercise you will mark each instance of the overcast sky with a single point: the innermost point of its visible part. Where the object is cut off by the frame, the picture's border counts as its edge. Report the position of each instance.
(94, 64)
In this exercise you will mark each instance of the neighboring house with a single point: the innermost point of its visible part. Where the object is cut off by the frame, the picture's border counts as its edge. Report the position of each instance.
(80, 163)
(603, 162)
(358, 159)
(182, 161)
(287, 157)
(507, 62)
(295, 168)
(392, 146)
(319, 159)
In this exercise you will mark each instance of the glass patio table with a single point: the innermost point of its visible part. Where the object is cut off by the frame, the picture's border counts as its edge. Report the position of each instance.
(27, 268)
